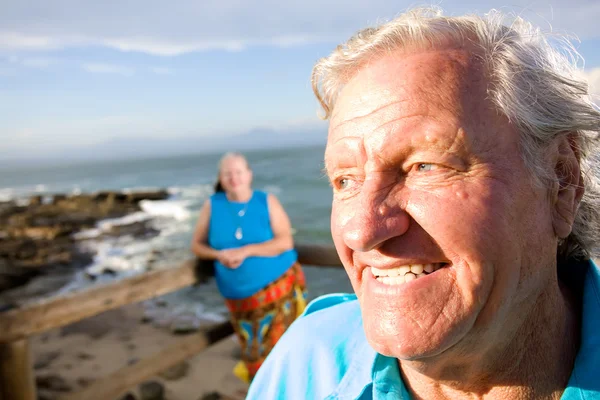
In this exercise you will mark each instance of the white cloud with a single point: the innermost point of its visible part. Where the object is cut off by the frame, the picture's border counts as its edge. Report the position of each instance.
(593, 78)
(31, 62)
(168, 29)
(108, 69)
(162, 71)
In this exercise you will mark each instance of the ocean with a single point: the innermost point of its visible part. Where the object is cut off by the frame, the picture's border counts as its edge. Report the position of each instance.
(294, 175)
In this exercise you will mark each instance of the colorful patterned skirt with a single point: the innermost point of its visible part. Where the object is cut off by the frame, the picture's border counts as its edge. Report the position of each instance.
(261, 319)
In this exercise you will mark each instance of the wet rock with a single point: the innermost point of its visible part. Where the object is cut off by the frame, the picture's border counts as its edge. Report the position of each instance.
(161, 303)
(155, 195)
(176, 372)
(183, 325)
(139, 229)
(109, 272)
(37, 238)
(152, 391)
(53, 383)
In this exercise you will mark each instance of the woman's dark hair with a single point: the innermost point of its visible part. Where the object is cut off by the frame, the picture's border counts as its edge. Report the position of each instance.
(219, 187)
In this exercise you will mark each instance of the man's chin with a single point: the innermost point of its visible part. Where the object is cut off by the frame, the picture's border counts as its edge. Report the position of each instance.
(405, 347)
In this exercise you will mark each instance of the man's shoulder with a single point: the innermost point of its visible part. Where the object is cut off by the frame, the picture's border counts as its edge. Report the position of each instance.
(325, 322)
(313, 355)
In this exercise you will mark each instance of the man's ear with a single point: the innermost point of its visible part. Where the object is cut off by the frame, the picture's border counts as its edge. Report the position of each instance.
(567, 195)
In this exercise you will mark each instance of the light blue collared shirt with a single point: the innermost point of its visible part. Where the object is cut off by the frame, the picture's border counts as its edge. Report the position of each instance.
(325, 355)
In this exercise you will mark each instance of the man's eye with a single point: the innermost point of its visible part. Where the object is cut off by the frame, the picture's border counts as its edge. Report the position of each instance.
(343, 183)
(425, 167)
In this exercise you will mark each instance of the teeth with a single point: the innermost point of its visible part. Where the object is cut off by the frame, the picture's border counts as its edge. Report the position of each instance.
(416, 269)
(405, 273)
(403, 270)
(391, 280)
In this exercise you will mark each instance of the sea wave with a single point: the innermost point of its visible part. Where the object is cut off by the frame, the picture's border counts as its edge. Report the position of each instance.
(177, 209)
(7, 194)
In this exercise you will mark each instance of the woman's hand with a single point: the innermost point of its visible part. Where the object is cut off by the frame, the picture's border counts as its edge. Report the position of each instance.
(233, 258)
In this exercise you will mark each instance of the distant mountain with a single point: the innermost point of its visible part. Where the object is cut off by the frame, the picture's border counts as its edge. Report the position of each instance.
(140, 147)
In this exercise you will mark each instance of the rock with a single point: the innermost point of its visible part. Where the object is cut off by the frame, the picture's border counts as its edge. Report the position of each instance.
(133, 360)
(35, 200)
(139, 196)
(176, 372)
(44, 360)
(128, 396)
(146, 319)
(211, 396)
(37, 238)
(84, 382)
(85, 356)
(52, 382)
(185, 324)
(152, 391)
(109, 272)
(45, 395)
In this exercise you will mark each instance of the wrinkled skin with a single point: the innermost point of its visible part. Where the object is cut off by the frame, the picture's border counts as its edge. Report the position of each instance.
(424, 170)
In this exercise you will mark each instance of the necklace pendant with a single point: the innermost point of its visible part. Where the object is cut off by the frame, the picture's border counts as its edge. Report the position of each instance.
(238, 233)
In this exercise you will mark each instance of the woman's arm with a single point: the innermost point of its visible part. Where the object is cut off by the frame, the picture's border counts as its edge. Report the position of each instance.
(282, 232)
(199, 245)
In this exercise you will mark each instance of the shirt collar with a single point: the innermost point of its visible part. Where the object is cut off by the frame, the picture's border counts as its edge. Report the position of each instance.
(584, 382)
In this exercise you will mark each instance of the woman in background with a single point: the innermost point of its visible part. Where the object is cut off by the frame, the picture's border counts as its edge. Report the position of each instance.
(248, 234)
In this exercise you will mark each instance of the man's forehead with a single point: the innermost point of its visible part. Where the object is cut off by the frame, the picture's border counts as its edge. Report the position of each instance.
(407, 80)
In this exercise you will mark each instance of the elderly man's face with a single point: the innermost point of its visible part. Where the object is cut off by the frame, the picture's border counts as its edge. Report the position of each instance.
(428, 176)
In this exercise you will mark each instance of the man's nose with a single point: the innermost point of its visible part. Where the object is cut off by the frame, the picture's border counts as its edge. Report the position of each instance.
(378, 216)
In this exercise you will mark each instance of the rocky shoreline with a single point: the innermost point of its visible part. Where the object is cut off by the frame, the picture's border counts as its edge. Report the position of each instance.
(39, 248)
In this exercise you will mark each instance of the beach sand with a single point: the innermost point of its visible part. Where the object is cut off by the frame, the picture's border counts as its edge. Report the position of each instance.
(72, 357)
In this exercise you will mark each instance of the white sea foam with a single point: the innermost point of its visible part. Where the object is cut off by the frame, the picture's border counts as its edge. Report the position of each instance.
(7, 194)
(107, 224)
(192, 192)
(87, 234)
(167, 208)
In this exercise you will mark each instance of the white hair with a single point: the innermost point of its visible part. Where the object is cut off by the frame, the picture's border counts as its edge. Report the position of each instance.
(534, 81)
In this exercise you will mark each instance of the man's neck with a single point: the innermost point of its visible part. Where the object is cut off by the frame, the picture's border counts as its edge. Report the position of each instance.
(535, 363)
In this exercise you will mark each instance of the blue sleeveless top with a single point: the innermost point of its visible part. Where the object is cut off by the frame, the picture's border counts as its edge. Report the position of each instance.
(255, 272)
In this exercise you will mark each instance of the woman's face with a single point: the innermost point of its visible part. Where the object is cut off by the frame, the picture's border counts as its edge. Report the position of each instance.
(235, 176)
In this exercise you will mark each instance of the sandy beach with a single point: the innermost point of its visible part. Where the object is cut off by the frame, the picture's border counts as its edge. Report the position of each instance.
(71, 358)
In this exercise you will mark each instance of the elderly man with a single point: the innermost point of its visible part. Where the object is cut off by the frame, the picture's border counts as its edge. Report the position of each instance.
(465, 212)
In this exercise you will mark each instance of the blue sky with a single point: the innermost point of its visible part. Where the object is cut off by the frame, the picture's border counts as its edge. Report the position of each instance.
(84, 72)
